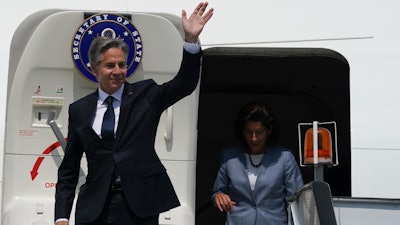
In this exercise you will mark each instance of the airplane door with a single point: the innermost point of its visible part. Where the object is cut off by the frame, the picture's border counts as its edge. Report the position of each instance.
(300, 85)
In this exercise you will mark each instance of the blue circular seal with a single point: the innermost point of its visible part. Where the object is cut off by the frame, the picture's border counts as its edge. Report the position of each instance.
(108, 25)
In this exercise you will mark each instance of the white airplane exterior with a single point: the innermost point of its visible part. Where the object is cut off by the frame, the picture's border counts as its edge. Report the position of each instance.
(361, 36)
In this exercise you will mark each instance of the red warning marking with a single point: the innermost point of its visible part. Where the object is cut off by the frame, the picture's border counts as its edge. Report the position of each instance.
(48, 150)
(50, 185)
(34, 171)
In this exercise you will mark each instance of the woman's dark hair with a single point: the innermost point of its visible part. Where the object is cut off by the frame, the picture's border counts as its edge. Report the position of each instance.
(256, 111)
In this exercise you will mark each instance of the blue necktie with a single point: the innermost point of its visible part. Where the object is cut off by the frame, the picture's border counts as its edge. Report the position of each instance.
(107, 128)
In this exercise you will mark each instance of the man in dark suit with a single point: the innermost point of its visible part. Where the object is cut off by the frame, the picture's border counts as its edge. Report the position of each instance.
(126, 182)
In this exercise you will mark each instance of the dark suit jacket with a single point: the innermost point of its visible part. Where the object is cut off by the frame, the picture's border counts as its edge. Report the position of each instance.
(146, 185)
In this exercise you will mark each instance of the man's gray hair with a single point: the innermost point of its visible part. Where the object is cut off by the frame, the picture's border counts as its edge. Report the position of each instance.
(101, 44)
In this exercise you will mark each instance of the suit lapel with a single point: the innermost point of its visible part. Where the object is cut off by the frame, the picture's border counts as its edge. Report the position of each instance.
(244, 169)
(260, 179)
(128, 97)
(87, 109)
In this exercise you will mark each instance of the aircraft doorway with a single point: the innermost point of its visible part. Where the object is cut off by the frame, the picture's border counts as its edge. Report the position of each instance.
(301, 85)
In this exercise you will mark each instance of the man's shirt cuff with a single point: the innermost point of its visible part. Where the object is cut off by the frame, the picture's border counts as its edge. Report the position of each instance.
(61, 219)
(192, 48)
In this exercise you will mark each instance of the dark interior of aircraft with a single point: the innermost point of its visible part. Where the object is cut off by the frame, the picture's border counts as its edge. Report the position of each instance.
(301, 85)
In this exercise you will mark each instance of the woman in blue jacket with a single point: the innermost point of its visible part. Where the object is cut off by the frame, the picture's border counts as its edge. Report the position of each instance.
(255, 178)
